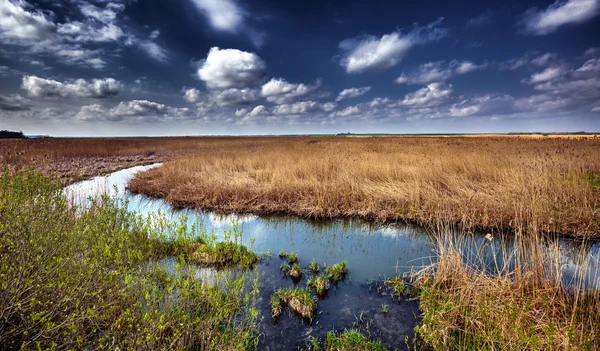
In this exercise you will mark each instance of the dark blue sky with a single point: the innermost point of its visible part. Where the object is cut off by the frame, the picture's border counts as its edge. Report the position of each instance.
(188, 67)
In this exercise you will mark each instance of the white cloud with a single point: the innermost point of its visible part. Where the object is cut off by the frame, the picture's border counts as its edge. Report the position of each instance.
(348, 111)
(303, 107)
(544, 59)
(152, 49)
(559, 14)
(20, 24)
(433, 94)
(134, 111)
(108, 14)
(257, 111)
(95, 88)
(229, 68)
(352, 93)
(234, 96)
(438, 71)
(88, 32)
(223, 15)
(241, 112)
(279, 91)
(546, 75)
(596, 109)
(372, 53)
(192, 95)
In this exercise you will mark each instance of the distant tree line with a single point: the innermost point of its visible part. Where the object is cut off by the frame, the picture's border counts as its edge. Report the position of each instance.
(8, 134)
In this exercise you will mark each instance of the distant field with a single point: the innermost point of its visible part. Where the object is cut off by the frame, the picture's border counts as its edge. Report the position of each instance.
(496, 182)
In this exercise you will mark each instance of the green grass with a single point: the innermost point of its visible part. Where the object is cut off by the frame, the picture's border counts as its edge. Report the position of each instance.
(297, 299)
(85, 278)
(320, 284)
(296, 271)
(337, 271)
(314, 266)
(398, 286)
(283, 254)
(349, 340)
(292, 258)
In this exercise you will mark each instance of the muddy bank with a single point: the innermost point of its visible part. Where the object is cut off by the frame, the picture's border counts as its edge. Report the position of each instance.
(72, 170)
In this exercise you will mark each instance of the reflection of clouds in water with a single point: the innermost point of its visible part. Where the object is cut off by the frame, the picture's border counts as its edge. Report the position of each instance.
(227, 220)
(369, 248)
(112, 184)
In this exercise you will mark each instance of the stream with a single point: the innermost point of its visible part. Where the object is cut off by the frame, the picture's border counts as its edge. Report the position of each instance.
(372, 251)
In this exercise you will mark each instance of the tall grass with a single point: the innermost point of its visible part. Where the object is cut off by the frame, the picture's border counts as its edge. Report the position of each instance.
(514, 299)
(88, 279)
(507, 183)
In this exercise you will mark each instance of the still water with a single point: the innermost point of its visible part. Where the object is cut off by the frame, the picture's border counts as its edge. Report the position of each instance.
(372, 252)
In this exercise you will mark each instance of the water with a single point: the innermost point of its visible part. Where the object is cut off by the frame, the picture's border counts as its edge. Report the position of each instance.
(371, 251)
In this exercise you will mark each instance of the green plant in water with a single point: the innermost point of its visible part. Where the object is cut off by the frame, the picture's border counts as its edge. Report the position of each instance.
(385, 308)
(292, 258)
(283, 254)
(297, 299)
(92, 280)
(296, 271)
(349, 340)
(337, 271)
(398, 286)
(285, 268)
(320, 284)
(314, 266)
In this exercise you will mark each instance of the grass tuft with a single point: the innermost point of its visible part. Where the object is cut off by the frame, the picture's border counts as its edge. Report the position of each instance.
(337, 271)
(297, 299)
(320, 284)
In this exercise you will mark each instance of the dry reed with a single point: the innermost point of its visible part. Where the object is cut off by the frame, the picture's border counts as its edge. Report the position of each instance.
(508, 183)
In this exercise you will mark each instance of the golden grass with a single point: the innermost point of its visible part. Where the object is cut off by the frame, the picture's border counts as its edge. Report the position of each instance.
(508, 183)
(523, 307)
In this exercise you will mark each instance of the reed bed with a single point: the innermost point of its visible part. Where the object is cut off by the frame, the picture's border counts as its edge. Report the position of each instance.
(518, 301)
(506, 183)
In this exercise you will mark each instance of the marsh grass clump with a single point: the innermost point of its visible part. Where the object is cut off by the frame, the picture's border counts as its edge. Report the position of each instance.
(292, 258)
(398, 286)
(519, 304)
(297, 299)
(337, 271)
(285, 268)
(349, 340)
(283, 254)
(83, 278)
(296, 271)
(313, 266)
(320, 284)
(204, 249)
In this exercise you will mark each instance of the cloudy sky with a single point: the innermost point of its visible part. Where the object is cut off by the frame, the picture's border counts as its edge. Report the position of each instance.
(192, 67)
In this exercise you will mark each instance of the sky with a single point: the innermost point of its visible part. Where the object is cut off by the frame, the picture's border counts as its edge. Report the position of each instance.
(214, 67)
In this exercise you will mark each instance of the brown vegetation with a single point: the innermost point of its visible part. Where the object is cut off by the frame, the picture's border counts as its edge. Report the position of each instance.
(535, 184)
(521, 303)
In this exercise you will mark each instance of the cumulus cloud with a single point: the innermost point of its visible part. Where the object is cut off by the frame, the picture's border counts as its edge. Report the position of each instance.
(438, 71)
(192, 95)
(352, 93)
(227, 16)
(17, 23)
(303, 107)
(133, 111)
(432, 94)
(95, 88)
(559, 14)
(373, 53)
(234, 96)
(153, 50)
(89, 32)
(14, 102)
(229, 68)
(279, 91)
